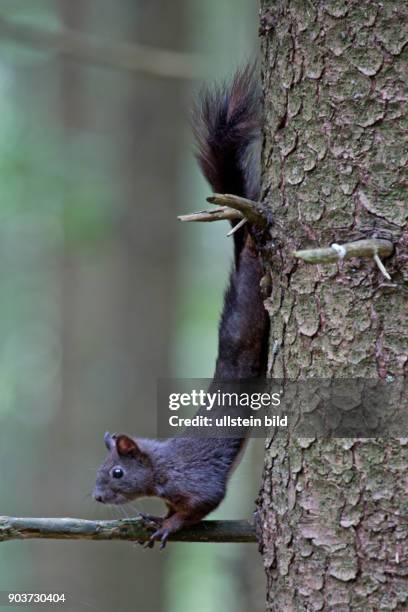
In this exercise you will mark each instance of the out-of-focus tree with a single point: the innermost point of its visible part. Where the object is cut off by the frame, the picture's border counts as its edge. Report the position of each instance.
(92, 185)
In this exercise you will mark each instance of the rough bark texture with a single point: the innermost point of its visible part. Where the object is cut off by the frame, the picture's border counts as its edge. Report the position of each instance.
(334, 513)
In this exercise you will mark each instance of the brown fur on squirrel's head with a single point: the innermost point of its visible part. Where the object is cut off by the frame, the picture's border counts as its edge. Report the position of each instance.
(126, 474)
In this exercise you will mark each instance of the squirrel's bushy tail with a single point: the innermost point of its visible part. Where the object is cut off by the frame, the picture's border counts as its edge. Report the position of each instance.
(226, 123)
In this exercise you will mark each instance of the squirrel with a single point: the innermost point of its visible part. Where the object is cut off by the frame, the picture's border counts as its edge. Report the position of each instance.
(191, 474)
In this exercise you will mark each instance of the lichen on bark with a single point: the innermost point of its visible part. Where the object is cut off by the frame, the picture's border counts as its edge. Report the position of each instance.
(334, 512)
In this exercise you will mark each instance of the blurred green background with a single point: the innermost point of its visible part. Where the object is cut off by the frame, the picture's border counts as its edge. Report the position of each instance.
(102, 291)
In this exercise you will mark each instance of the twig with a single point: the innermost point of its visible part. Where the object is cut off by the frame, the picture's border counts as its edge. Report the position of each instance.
(217, 214)
(381, 267)
(12, 528)
(250, 209)
(129, 57)
(360, 248)
(237, 226)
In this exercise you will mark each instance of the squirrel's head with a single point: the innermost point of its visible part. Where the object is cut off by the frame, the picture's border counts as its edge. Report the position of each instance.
(126, 473)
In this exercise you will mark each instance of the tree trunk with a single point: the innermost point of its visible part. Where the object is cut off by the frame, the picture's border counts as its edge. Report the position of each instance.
(333, 513)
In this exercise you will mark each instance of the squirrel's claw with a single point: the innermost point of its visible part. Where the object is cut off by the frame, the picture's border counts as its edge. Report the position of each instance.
(151, 523)
(159, 535)
(164, 538)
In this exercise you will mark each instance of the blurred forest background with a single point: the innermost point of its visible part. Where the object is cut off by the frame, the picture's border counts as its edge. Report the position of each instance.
(103, 291)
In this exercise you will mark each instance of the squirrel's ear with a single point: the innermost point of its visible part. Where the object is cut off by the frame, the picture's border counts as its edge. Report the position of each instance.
(109, 441)
(126, 447)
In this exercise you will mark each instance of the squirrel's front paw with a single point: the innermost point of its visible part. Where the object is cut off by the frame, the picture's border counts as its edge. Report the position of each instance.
(151, 523)
(161, 535)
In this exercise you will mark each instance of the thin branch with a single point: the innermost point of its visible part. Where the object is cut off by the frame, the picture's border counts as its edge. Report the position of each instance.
(381, 267)
(237, 226)
(221, 213)
(12, 528)
(129, 57)
(359, 248)
(250, 209)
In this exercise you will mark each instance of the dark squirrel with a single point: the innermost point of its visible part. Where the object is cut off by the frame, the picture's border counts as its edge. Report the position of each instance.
(191, 474)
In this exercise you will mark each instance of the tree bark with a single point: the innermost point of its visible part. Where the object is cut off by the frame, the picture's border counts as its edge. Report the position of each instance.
(333, 513)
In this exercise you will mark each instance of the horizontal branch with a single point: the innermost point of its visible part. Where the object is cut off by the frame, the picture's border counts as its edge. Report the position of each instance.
(359, 248)
(12, 528)
(129, 57)
(250, 209)
(221, 213)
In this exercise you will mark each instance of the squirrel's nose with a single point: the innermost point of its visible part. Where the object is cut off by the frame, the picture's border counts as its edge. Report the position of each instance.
(98, 497)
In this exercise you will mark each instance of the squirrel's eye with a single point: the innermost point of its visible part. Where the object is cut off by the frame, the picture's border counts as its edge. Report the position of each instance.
(117, 472)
